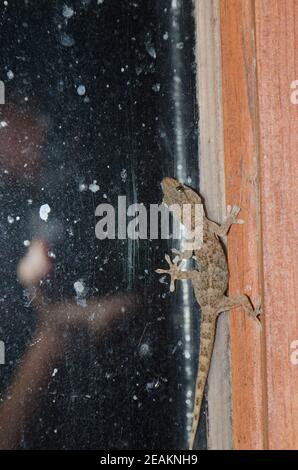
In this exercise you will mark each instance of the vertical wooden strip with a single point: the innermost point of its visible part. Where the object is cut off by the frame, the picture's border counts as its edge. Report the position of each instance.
(212, 188)
(240, 106)
(277, 65)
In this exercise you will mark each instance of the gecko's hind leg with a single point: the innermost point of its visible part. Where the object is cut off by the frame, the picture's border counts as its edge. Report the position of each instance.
(228, 303)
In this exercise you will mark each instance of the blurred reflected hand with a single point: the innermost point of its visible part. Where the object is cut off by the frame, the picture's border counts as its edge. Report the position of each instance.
(96, 315)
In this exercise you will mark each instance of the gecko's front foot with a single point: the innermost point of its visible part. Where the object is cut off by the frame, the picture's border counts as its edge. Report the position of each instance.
(258, 310)
(174, 272)
(232, 213)
(255, 312)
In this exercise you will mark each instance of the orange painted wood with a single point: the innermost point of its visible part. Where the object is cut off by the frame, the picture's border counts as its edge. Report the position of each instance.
(277, 66)
(259, 54)
(240, 105)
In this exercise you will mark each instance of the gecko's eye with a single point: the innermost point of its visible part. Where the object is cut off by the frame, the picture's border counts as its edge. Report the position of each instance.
(180, 188)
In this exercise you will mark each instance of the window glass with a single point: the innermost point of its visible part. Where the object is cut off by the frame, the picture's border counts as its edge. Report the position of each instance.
(99, 103)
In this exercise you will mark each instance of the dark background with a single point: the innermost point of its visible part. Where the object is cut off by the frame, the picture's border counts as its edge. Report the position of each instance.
(123, 134)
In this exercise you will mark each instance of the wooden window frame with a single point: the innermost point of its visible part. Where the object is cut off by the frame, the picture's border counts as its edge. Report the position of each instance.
(246, 53)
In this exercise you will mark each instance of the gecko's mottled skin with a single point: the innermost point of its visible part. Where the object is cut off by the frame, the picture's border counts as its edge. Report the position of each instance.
(209, 280)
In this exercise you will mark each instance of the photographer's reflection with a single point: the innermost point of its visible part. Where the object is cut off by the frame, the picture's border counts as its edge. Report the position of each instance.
(47, 346)
(42, 321)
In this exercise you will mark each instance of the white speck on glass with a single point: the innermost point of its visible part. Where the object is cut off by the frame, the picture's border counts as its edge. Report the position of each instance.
(67, 40)
(10, 75)
(68, 12)
(79, 287)
(94, 187)
(145, 349)
(156, 87)
(123, 175)
(83, 187)
(151, 50)
(81, 90)
(81, 291)
(44, 212)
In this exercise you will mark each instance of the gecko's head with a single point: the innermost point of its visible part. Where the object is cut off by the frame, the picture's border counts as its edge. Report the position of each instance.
(178, 193)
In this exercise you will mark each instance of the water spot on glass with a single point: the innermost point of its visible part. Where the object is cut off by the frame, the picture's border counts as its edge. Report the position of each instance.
(60, 86)
(81, 90)
(156, 87)
(81, 291)
(94, 187)
(67, 40)
(150, 49)
(67, 11)
(123, 175)
(10, 75)
(51, 254)
(44, 211)
(145, 350)
(79, 287)
(152, 385)
(163, 280)
(83, 187)
(180, 45)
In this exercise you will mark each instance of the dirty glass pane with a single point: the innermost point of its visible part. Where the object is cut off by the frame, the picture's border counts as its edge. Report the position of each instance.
(96, 353)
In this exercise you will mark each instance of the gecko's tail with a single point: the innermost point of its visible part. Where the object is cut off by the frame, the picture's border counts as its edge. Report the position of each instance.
(207, 336)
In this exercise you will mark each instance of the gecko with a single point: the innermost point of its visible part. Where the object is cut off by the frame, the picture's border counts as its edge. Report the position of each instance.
(209, 280)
